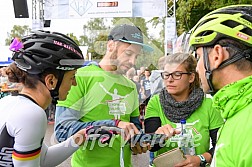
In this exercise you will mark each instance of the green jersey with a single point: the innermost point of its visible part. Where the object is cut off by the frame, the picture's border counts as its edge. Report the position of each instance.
(202, 120)
(234, 143)
(100, 95)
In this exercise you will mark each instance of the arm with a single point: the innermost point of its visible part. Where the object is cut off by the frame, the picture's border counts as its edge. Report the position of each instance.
(213, 136)
(136, 122)
(67, 123)
(56, 154)
(195, 160)
(151, 125)
(209, 154)
(28, 128)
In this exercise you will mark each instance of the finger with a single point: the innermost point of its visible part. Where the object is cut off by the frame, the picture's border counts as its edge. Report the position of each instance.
(134, 150)
(176, 131)
(126, 134)
(131, 131)
(144, 147)
(139, 149)
(136, 131)
(167, 132)
(148, 146)
(182, 164)
(159, 131)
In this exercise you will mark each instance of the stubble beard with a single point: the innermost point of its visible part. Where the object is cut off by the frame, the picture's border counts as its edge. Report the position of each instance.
(115, 63)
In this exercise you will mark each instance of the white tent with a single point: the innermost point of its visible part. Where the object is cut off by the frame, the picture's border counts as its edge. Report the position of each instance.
(5, 56)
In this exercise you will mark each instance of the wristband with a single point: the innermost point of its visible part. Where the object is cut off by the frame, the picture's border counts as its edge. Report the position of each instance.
(203, 161)
(117, 122)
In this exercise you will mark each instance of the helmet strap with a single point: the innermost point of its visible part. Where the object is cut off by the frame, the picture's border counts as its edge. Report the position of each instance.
(208, 73)
(239, 55)
(55, 92)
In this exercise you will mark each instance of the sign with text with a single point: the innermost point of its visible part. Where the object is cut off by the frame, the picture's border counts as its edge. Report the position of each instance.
(65, 9)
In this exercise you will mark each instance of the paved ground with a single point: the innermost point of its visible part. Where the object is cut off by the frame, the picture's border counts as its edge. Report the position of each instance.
(137, 160)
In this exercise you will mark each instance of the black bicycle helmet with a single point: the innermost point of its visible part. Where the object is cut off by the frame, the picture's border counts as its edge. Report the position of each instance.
(43, 49)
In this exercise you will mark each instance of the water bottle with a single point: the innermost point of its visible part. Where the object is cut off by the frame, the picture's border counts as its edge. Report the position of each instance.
(186, 139)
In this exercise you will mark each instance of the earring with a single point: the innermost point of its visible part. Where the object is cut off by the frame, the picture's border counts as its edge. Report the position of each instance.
(52, 88)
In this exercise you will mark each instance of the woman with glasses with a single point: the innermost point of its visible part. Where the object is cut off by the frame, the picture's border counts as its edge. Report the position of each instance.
(183, 99)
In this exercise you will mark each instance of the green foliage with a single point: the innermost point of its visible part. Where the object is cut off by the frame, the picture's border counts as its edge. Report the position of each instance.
(146, 59)
(73, 37)
(188, 12)
(17, 31)
(95, 34)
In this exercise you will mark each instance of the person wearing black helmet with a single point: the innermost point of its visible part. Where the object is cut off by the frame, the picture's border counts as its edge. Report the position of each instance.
(223, 43)
(105, 94)
(43, 64)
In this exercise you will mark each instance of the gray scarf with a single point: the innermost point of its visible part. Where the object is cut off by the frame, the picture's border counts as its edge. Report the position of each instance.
(175, 111)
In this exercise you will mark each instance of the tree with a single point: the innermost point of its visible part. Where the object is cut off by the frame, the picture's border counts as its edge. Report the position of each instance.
(189, 12)
(73, 37)
(157, 44)
(94, 35)
(17, 31)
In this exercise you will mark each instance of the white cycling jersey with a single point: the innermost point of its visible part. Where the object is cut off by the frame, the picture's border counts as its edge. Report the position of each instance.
(22, 129)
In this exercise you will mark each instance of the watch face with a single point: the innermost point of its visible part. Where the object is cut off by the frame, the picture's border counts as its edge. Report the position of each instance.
(202, 160)
(203, 163)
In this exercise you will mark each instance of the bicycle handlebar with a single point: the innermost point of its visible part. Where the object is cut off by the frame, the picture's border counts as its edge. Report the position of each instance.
(105, 133)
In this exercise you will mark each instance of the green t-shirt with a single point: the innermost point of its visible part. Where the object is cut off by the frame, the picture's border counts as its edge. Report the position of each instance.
(202, 120)
(234, 144)
(100, 95)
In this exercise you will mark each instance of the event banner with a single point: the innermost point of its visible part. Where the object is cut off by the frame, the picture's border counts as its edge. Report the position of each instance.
(64, 9)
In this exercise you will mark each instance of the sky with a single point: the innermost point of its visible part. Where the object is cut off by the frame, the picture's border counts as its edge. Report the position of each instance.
(8, 20)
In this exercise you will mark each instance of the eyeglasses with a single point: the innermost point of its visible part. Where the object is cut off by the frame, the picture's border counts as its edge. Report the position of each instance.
(175, 75)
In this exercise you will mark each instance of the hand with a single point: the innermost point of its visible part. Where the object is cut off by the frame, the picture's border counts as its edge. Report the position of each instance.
(191, 161)
(98, 132)
(80, 137)
(168, 130)
(140, 148)
(128, 129)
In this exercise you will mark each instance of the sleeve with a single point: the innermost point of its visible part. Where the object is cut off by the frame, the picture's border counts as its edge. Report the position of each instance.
(151, 125)
(152, 107)
(67, 123)
(56, 154)
(28, 129)
(136, 122)
(152, 120)
(213, 136)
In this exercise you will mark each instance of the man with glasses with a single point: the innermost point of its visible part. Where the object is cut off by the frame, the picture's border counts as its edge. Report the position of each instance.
(223, 42)
(182, 98)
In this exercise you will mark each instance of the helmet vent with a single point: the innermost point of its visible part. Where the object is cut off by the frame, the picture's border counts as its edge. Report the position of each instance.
(204, 33)
(247, 31)
(247, 17)
(230, 23)
(204, 22)
(51, 47)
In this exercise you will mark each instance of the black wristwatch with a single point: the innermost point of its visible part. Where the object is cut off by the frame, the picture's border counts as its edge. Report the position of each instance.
(203, 161)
